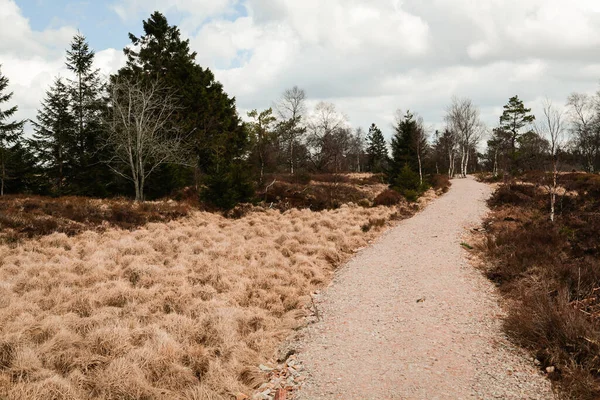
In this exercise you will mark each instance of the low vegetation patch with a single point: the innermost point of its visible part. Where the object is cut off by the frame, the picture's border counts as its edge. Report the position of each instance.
(186, 309)
(34, 216)
(551, 274)
(319, 192)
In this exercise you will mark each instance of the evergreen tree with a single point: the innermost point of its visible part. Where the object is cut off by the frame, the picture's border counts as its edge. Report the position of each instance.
(404, 146)
(377, 151)
(25, 176)
(409, 145)
(10, 132)
(86, 104)
(55, 139)
(207, 114)
(513, 119)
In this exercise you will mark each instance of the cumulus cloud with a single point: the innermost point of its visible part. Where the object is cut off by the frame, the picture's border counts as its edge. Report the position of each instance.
(373, 57)
(33, 59)
(367, 57)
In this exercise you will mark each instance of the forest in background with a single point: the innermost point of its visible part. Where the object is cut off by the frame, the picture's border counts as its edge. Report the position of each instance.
(162, 126)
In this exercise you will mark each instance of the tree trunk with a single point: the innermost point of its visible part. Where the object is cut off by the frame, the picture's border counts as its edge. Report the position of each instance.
(292, 156)
(496, 163)
(3, 172)
(420, 169)
(553, 189)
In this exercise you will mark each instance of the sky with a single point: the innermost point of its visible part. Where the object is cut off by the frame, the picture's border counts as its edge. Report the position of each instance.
(369, 58)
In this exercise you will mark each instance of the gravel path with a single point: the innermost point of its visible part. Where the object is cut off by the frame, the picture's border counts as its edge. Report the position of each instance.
(411, 318)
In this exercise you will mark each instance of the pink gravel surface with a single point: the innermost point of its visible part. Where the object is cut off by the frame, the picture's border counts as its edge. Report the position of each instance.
(376, 341)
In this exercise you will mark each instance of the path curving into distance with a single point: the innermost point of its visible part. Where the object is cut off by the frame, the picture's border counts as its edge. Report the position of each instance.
(375, 341)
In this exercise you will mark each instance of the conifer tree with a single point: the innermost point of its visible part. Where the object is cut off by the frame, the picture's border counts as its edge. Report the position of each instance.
(11, 131)
(86, 105)
(377, 151)
(514, 118)
(55, 139)
(208, 116)
(408, 146)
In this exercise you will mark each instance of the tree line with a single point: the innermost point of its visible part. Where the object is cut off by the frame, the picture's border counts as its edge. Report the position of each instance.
(163, 123)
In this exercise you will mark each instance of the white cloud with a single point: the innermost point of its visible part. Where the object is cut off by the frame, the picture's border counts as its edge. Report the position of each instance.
(367, 57)
(31, 60)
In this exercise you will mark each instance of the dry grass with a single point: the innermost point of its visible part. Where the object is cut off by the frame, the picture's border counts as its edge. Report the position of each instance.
(185, 309)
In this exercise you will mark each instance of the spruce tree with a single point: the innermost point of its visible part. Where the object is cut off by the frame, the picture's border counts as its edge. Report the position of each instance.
(86, 104)
(55, 138)
(208, 115)
(11, 132)
(377, 151)
(408, 146)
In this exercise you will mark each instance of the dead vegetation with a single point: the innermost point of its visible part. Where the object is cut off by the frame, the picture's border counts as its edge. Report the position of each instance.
(321, 191)
(550, 272)
(185, 309)
(34, 216)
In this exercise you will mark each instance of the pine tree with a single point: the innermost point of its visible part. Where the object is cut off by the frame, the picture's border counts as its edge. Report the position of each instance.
(55, 139)
(86, 105)
(377, 151)
(208, 115)
(10, 132)
(514, 118)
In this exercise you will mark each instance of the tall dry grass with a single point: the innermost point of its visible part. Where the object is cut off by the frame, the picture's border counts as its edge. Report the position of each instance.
(185, 309)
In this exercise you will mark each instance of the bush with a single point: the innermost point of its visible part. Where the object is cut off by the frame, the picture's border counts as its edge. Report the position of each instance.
(388, 198)
(411, 195)
(440, 182)
(227, 188)
(407, 179)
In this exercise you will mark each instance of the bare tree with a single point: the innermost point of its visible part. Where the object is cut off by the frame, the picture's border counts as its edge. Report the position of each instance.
(551, 128)
(140, 132)
(462, 117)
(326, 127)
(290, 109)
(261, 134)
(357, 147)
(583, 119)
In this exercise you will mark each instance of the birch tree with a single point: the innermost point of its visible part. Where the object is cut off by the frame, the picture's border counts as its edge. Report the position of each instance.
(291, 108)
(463, 118)
(551, 127)
(140, 131)
(583, 121)
(261, 129)
(326, 134)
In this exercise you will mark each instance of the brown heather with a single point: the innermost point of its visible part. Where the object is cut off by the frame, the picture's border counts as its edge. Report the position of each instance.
(185, 309)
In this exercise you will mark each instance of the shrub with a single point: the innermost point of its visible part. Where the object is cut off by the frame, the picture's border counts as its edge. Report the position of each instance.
(411, 195)
(440, 182)
(407, 179)
(388, 198)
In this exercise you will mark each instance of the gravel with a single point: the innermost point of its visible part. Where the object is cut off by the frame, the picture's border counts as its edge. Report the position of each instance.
(411, 318)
